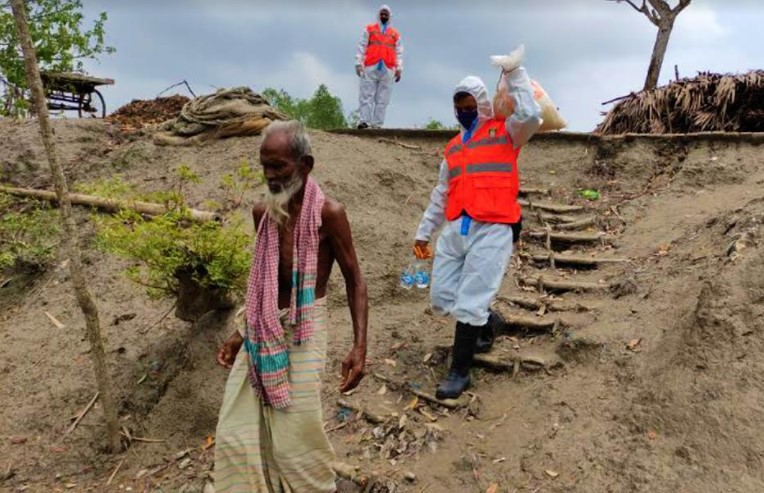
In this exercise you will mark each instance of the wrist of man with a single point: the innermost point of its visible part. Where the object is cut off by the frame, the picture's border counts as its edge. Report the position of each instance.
(360, 345)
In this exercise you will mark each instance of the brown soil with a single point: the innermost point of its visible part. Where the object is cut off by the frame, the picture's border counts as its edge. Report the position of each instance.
(654, 387)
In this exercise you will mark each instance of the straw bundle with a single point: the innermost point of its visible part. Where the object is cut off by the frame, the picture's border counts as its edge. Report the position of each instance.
(706, 103)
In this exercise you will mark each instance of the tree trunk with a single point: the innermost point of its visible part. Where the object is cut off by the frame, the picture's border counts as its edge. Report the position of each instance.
(84, 298)
(659, 52)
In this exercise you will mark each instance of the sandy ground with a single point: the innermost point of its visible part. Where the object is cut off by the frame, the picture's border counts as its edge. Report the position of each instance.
(655, 388)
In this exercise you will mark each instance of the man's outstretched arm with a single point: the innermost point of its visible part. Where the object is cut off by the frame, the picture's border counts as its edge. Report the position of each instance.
(337, 225)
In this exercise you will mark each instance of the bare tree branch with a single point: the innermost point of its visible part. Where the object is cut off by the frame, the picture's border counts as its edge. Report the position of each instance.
(662, 15)
(683, 4)
(633, 5)
(651, 16)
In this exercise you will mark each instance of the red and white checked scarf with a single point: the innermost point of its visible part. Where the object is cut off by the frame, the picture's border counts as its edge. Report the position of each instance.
(264, 337)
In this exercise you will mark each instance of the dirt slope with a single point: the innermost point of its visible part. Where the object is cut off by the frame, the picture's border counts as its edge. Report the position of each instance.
(679, 409)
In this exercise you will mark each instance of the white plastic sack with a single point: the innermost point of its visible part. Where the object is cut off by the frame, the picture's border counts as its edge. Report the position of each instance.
(503, 106)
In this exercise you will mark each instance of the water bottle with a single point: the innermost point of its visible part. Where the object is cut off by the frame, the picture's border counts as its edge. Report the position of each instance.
(421, 270)
(407, 277)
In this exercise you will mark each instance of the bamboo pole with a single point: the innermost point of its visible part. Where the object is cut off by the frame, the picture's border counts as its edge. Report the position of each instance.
(110, 205)
(79, 282)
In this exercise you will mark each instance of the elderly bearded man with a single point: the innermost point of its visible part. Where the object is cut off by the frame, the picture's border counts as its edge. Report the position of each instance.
(270, 435)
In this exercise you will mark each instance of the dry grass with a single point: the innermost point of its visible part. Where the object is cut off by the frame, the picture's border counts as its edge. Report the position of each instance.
(707, 103)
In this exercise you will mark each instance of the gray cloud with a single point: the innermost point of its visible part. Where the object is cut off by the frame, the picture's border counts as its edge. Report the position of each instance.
(583, 51)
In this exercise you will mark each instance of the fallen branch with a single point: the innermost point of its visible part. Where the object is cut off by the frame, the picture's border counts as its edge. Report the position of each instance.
(116, 469)
(543, 284)
(447, 403)
(110, 205)
(181, 83)
(55, 321)
(552, 306)
(566, 237)
(575, 260)
(513, 364)
(8, 473)
(405, 146)
(555, 218)
(529, 322)
(338, 427)
(147, 440)
(549, 207)
(350, 473)
(82, 414)
(580, 224)
(369, 416)
(532, 191)
(619, 98)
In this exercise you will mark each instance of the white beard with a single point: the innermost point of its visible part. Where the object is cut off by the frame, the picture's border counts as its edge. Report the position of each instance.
(276, 203)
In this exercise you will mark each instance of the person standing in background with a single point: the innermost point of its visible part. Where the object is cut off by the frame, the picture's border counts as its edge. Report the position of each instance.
(379, 62)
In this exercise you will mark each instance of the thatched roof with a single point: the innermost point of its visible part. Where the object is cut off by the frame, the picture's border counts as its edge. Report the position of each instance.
(706, 103)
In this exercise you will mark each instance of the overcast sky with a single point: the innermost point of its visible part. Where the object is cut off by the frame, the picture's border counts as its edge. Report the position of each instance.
(583, 52)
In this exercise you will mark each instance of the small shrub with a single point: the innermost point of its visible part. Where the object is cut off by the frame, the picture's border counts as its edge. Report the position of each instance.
(217, 256)
(169, 250)
(239, 185)
(28, 233)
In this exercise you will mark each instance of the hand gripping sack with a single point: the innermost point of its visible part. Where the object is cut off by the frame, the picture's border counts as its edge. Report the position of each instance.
(503, 106)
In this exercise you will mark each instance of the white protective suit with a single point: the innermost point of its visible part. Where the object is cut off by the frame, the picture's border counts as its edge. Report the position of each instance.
(470, 265)
(376, 86)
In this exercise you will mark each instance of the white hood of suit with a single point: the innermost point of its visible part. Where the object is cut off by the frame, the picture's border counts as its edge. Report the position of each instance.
(477, 88)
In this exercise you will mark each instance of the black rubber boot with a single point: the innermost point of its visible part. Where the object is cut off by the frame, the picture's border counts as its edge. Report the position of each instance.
(463, 353)
(487, 334)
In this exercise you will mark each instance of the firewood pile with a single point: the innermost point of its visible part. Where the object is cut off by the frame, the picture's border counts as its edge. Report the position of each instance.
(141, 113)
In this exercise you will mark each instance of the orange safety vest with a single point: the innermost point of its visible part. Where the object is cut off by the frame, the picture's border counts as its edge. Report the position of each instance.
(381, 46)
(482, 176)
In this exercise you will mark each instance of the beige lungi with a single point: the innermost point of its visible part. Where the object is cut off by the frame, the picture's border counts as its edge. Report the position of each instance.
(259, 449)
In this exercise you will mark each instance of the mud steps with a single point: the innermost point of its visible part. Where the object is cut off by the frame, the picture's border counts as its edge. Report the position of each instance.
(565, 268)
(561, 274)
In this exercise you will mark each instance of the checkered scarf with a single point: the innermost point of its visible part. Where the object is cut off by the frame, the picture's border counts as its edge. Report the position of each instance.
(264, 338)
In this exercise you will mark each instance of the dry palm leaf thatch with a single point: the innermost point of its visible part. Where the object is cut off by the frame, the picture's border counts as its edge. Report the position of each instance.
(706, 103)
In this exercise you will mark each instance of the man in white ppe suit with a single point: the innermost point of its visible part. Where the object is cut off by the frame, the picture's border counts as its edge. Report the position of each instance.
(379, 62)
(476, 198)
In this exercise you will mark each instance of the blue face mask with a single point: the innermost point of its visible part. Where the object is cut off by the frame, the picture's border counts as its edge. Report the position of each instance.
(467, 118)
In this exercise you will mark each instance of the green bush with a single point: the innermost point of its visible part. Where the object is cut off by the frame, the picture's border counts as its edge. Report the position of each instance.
(28, 233)
(217, 255)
